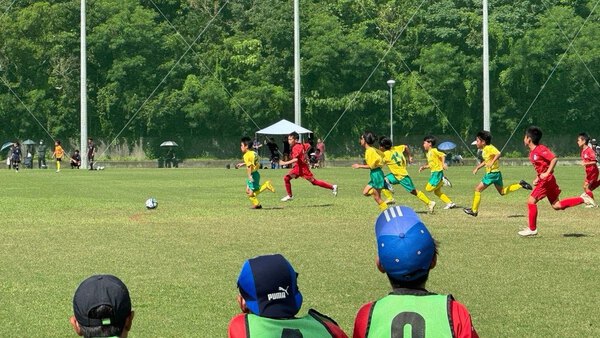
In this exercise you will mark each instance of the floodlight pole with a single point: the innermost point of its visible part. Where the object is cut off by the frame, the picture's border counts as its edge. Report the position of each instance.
(486, 70)
(83, 88)
(391, 84)
(297, 105)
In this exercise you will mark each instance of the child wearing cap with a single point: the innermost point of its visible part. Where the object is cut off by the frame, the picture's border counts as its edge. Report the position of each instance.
(102, 308)
(406, 254)
(270, 300)
(253, 187)
(490, 156)
(374, 162)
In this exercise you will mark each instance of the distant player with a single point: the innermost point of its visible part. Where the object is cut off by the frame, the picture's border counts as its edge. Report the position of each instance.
(544, 161)
(253, 187)
(396, 160)
(589, 162)
(300, 168)
(490, 155)
(58, 154)
(436, 162)
(373, 162)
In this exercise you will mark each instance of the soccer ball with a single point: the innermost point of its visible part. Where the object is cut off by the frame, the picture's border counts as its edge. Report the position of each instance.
(151, 203)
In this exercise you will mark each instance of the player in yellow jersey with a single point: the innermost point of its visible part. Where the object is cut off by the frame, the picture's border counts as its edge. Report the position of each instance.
(436, 162)
(373, 162)
(490, 155)
(396, 160)
(58, 154)
(251, 161)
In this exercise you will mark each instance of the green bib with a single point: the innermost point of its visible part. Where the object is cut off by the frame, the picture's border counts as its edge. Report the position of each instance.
(309, 326)
(409, 316)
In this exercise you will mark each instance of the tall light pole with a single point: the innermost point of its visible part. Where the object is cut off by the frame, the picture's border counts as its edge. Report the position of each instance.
(297, 97)
(486, 70)
(83, 87)
(391, 83)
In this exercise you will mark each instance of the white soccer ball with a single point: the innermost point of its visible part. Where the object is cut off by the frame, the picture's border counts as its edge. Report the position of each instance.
(151, 203)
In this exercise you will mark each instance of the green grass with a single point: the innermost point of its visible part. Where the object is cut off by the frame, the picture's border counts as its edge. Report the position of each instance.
(181, 260)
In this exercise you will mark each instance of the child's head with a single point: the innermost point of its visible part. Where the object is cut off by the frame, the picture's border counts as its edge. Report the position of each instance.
(483, 138)
(406, 250)
(583, 139)
(533, 135)
(268, 287)
(293, 137)
(385, 143)
(368, 138)
(429, 142)
(57, 142)
(245, 144)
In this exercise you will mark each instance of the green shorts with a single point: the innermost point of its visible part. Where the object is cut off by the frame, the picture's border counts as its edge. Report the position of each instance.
(405, 182)
(436, 178)
(377, 178)
(493, 178)
(254, 186)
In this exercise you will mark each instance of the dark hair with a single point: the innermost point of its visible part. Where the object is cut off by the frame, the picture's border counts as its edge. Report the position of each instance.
(486, 136)
(102, 311)
(430, 139)
(385, 142)
(57, 141)
(294, 135)
(369, 137)
(247, 141)
(585, 137)
(535, 134)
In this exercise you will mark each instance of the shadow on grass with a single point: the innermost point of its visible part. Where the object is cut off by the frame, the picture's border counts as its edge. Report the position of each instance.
(515, 216)
(575, 235)
(272, 208)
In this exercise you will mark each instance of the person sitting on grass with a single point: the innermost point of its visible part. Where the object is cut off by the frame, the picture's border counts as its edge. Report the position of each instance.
(102, 308)
(270, 300)
(406, 254)
(75, 160)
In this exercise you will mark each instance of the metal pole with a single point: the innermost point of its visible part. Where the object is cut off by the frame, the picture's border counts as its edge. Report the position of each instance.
(83, 88)
(391, 84)
(486, 70)
(297, 105)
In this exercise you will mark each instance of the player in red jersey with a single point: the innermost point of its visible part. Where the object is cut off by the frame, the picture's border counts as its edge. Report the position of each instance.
(300, 168)
(544, 161)
(589, 162)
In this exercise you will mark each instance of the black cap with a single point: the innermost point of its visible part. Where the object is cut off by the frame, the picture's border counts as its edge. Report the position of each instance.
(101, 290)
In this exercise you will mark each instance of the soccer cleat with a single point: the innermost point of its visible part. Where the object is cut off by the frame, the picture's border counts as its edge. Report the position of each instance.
(286, 198)
(431, 206)
(527, 232)
(258, 206)
(470, 211)
(388, 185)
(525, 185)
(588, 200)
(447, 182)
(270, 186)
(390, 201)
(334, 191)
(450, 205)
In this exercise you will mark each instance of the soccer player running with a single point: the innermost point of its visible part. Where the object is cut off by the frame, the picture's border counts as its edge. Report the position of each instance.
(300, 168)
(253, 187)
(589, 162)
(396, 160)
(58, 154)
(544, 161)
(373, 162)
(490, 155)
(436, 162)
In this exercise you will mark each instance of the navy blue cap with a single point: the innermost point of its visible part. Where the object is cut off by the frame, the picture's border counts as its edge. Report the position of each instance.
(269, 286)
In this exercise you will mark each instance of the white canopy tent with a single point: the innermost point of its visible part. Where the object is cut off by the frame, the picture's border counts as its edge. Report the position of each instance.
(283, 127)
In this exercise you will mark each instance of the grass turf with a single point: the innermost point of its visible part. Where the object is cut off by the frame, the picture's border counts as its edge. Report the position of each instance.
(181, 260)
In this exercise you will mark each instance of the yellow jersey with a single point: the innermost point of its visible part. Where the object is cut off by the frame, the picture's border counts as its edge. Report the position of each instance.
(435, 160)
(396, 161)
(251, 160)
(373, 158)
(59, 152)
(488, 152)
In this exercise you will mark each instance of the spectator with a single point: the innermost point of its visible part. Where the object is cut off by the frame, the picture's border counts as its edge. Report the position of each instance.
(274, 150)
(75, 160)
(91, 152)
(286, 149)
(406, 254)
(321, 153)
(270, 300)
(102, 308)
(16, 155)
(41, 153)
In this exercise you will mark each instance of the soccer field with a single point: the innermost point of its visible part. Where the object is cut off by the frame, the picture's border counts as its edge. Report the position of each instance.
(181, 260)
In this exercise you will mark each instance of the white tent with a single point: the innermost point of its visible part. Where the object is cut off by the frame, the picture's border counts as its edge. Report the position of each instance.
(283, 127)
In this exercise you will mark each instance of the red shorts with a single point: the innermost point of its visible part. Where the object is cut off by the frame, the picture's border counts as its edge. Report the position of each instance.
(591, 177)
(301, 171)
(547, 188)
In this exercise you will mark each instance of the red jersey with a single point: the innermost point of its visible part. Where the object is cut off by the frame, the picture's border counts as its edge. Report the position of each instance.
(540, 157)
(591, 171)
(298, 151)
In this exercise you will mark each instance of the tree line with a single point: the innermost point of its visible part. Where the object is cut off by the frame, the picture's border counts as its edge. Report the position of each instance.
(205, 72)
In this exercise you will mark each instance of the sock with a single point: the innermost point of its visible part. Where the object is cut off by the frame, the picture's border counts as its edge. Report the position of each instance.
(476, 201)
(589, 193)
(262, 188)
(442, 196)
(253, 199)
(423, 197)
(511, 188)
(288, 185)
(57, 165)
(383, 206)
(387, 194)
(570, 202)
(322, 184)
(533, 212)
